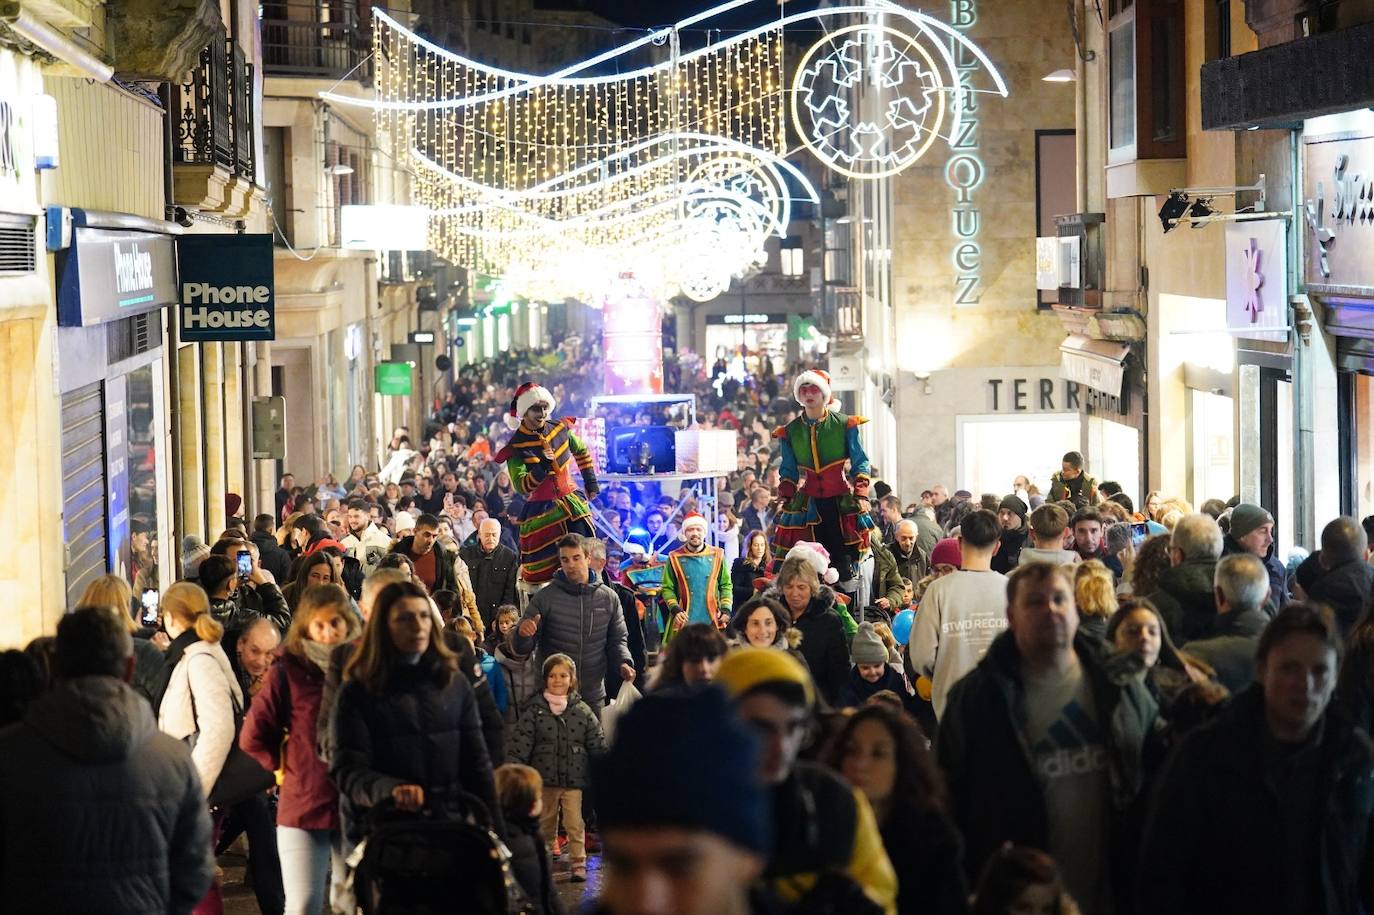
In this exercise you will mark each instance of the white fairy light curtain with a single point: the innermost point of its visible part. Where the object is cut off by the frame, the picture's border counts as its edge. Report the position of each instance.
(678, 170)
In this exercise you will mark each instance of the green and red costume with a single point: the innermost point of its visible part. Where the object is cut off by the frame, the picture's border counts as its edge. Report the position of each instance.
(698, 583)
(553, 505)
(824, 473)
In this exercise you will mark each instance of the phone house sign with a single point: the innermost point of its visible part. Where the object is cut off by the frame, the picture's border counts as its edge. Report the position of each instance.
(227, 288)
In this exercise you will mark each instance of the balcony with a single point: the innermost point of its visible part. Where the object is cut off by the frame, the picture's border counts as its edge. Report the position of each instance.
(323, 40)
(214, 158)
(841, 313)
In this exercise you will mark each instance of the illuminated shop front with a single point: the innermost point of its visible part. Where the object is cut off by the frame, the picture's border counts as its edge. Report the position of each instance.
(779, 337)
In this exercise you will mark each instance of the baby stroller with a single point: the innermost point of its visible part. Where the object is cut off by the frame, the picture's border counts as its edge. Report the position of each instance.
(442, 859)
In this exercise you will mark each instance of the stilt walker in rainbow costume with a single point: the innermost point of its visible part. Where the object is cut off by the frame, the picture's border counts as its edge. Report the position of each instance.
(696, 581)
(824, 488)
(540, 457)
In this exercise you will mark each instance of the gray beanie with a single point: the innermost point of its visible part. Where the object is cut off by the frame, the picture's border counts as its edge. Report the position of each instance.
(867, 647)
(1246, 518)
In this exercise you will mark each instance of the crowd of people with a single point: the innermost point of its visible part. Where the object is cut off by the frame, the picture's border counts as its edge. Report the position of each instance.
(1050, 700)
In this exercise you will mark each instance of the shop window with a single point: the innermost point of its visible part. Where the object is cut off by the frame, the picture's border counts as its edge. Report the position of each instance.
(1056, 186)
(1145, 47)
(1218, 29)
(994, 450)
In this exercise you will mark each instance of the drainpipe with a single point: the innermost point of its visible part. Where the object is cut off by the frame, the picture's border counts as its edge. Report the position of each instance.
(174, 361)
(35, 31)
(1304, 413)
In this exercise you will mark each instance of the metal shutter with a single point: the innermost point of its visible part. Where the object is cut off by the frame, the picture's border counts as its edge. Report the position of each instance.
(83, 488)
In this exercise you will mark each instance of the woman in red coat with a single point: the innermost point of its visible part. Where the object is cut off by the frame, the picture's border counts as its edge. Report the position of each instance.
(279, 732)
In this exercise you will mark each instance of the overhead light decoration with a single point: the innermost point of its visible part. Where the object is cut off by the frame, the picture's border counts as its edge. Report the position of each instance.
(676, 170)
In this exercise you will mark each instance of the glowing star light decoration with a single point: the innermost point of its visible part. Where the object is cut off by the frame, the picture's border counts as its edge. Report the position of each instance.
(675, 168)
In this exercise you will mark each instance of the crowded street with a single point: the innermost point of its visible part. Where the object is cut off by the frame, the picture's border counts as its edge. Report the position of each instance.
(584, 457)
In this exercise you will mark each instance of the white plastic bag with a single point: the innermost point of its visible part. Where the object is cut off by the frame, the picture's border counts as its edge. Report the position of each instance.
(627, 697)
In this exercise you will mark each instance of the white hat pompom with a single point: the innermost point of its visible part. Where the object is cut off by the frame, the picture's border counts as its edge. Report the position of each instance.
(817, 556)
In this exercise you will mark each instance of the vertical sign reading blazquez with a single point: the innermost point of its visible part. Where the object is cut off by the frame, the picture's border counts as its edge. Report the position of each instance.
(964, 169)
(226, 288)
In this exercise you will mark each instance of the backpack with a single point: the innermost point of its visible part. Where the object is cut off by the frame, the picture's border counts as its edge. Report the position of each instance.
(420, 863)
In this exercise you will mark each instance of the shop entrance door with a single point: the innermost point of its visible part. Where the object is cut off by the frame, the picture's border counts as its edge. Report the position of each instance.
(1212, 465)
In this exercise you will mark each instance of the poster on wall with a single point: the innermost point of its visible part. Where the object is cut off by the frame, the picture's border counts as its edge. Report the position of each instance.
(1257, 279)
(227, 289)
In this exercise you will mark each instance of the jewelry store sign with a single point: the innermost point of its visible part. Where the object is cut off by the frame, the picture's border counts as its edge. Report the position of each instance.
(1257, 279)
(1338, 213)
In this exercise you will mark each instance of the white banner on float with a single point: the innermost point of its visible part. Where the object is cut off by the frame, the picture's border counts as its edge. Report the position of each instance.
(384, 227)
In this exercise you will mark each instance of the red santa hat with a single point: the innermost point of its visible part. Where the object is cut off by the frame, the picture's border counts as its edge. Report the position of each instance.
(820, 379)
(693, 519)
(817, 556)
(526, 396)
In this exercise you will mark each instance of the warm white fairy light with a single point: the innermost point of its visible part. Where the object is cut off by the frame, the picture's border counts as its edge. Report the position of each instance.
(679, 161)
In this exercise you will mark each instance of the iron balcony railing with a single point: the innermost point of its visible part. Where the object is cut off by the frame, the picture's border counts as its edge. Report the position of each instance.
(840, 313)
(324, 39)
(215, 109)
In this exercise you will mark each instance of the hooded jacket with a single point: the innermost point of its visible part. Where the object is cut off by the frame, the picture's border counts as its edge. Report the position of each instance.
(584, 622)
(418, 730)
(369, 548)
(1186, 600)
(823, 644)
(1217, 811)
(560, 747)
(99, 812)
(994, 791)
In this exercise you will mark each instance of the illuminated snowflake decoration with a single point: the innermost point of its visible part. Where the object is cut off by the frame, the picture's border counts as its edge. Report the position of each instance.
(902, 125)
(1254, 281)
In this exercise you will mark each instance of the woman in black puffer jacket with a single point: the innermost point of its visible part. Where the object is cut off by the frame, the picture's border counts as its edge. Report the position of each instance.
(406, 722)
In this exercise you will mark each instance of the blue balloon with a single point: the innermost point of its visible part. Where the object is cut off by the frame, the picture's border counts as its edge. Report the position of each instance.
(901, 626)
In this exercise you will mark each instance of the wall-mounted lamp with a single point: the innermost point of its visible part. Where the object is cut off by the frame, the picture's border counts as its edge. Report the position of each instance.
(1059, 76)
(339, 169)
(924, 379)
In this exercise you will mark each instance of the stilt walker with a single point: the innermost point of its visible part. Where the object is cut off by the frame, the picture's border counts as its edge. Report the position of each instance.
(540, 457)
(825, 478)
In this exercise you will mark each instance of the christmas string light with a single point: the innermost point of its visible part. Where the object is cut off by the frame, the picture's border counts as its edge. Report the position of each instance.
(674, 168)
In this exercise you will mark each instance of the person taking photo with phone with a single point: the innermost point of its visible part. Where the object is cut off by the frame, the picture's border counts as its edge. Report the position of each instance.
(226, 585)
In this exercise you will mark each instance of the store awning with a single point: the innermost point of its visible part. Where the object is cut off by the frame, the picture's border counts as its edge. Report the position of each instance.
(1094, 363)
